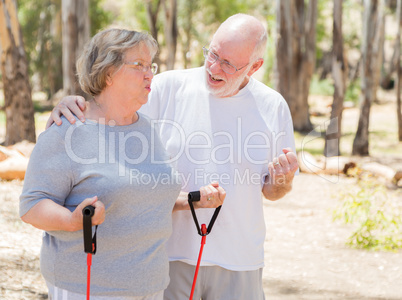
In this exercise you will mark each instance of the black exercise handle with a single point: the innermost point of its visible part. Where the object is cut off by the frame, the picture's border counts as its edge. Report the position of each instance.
(196, 196)
(88, 211)
(89, 242)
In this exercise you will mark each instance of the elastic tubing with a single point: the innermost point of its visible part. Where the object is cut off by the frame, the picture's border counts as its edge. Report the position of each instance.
(89, 263)
(203, 240)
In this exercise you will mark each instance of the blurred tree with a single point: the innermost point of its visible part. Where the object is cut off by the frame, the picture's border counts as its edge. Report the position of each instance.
(218, 11)
(75, 32)
(99, 18)
(379, 66)
(170, 9)
(386, 81)
(41, 29)
(323, 42)
(194, 21)
(295, 57)
(147, 17)
(152, 8)
(399, 68)
(353, 10)
(339, 71)
(20, 123)
(185, 19)
(372, 30)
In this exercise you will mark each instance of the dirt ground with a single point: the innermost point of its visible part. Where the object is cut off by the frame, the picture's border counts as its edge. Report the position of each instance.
(305, 252)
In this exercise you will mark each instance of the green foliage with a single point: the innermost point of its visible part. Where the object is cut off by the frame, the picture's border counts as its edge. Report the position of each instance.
(2, 119)
(190, 37)
(375, 215)
(353, 92)
(352, 10)
(323, 28)
(270, 53)
(99, 18)
(40, 22)
(41, 29)
(134, 14)
(219, 11)
(323, 87)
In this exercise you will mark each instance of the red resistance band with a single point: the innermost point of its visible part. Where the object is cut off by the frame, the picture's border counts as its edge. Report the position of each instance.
(89, 241)
(203, 231)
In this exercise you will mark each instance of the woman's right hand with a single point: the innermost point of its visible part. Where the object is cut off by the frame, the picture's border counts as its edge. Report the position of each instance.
(68, 107)
(97, 218)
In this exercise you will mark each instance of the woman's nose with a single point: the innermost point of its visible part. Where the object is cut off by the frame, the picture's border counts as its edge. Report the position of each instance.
(149, 74)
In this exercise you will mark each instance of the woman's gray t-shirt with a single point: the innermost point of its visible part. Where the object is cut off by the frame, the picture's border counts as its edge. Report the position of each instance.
(125, 166)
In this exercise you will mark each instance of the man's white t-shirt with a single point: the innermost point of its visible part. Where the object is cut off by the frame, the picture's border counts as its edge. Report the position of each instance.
(229, 140)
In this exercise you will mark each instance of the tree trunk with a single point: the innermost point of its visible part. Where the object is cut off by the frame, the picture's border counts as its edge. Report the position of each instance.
(20, 122)
(373, 10)
(170, 7)
(190, 7)
(334, 131)
(55, 74)
(386, 75)
(49, 49)
(152, 18)
(398, 101)
(76, 30)
(399, 68)
(295, 57)
(378, 67)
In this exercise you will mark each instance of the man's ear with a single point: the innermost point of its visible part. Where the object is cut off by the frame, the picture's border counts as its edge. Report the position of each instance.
(256, 65)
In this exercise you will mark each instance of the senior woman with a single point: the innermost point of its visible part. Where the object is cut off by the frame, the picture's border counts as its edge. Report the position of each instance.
(106, 162)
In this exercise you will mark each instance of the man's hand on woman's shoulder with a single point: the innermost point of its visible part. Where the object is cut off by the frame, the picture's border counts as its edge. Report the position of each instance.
(68, 107)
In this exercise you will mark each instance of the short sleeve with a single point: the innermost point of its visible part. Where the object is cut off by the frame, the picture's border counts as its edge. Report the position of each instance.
(49, 174)
(287, 139)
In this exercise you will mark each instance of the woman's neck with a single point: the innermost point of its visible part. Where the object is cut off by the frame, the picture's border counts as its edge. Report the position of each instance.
(105, 112)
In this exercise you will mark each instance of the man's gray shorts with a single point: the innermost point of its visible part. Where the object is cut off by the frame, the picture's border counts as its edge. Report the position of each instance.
(213, 283)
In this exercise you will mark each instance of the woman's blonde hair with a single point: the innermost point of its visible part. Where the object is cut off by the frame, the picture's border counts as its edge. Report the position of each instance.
(104, 53)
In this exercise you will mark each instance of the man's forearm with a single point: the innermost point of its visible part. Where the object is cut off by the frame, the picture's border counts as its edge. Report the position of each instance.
(181, 202)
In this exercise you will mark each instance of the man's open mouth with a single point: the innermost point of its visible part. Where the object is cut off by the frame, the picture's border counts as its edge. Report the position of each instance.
(215, 79)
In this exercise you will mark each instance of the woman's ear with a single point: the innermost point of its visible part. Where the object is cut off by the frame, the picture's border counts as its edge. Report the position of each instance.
(256, 65)
(109, 80)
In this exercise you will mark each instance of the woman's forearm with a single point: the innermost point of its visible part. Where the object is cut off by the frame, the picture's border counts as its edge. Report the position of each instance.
(49, 216)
